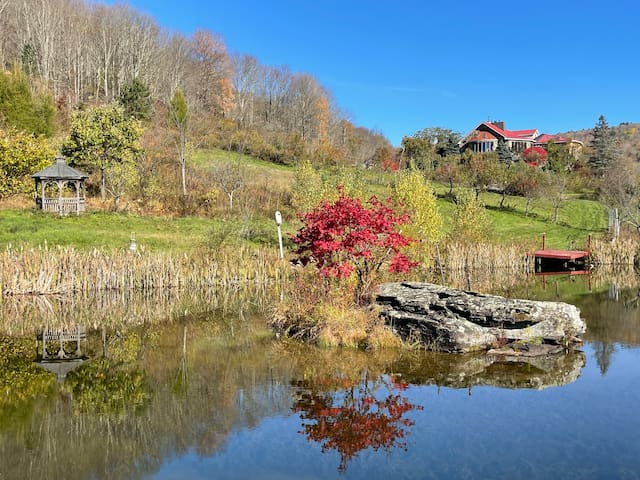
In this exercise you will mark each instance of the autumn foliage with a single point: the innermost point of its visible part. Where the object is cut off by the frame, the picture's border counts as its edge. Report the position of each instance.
(346, 237)
(534, 156)
(355, 418)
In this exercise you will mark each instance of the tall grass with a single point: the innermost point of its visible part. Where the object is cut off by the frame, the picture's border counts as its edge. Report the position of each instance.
(485, 257)
(613, 256)
(67, 270)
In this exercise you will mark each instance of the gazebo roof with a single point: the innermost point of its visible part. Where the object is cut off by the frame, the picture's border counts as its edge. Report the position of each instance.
(60, 171)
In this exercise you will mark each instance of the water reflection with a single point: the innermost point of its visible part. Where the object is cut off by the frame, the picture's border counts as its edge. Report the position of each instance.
(348, 417)
(467, 371)
(22, 314)
(182, 377)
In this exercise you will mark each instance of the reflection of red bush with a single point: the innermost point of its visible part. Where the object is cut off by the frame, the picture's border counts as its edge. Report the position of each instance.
(359, 420)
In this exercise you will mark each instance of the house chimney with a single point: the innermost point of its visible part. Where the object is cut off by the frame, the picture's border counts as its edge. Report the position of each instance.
(499, 124)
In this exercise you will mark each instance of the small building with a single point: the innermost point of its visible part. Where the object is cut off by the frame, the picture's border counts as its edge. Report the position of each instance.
(60, 188)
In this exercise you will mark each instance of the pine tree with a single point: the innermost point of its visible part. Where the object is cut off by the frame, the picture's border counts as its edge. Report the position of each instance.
(504, 154)
(135, 98)
(23, 109)
(603, 147)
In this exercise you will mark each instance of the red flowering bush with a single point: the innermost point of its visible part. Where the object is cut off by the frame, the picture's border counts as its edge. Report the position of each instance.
(346, 237)
(534, 156)
(390, 165)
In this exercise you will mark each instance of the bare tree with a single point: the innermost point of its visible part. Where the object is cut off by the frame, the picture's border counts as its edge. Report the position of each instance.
(245, 78)
(210, 73)
(303, 97)
(230, 177)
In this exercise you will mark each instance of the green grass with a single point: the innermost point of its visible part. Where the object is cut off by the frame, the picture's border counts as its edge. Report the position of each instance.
(113, 231)
(578, 218)
(209, 157)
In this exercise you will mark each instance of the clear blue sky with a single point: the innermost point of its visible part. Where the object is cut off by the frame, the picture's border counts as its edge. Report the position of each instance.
(401, 66)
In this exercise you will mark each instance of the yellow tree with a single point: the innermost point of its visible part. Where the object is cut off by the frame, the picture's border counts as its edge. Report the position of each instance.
(416, 194)
(470, 220)
(21, 154)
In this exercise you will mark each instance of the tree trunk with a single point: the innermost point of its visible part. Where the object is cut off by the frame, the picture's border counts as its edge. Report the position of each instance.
(183, 172)
(103, 185)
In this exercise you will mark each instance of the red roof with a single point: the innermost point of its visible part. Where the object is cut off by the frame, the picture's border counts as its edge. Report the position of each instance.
(512, 134)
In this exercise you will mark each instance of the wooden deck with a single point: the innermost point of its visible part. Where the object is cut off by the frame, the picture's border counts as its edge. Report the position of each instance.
(561, 254)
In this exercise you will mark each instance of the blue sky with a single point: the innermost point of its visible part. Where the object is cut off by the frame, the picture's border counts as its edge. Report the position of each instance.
(398, 67)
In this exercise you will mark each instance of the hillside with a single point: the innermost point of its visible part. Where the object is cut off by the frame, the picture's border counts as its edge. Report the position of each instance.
(627, 134)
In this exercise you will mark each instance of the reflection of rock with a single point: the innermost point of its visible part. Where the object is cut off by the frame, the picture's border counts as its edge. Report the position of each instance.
(465, 371)
(457, 321)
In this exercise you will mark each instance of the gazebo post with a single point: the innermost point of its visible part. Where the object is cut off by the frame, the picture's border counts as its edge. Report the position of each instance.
(60, 183)
(77, 185)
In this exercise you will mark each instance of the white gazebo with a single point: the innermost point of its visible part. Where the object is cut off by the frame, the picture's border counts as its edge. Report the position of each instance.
(71, 189)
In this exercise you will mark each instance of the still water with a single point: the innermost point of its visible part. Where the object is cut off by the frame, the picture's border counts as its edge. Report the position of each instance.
(209, 394)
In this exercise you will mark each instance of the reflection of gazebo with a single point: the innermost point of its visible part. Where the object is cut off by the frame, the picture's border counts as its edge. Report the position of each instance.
(61, 175)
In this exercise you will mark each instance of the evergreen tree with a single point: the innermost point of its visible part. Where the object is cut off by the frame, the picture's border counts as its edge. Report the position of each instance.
(21, 108)
(603, 147)
(135, 98)
(504, 154)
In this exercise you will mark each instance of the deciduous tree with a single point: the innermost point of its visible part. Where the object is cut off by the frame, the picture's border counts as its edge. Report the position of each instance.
(101, 137)
(230, 177)
(470, 220)
(21, 154)
(179, 119)
(346, 237)
(414, 192)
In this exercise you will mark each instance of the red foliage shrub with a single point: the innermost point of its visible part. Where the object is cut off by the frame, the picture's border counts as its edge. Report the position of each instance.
(346, 236)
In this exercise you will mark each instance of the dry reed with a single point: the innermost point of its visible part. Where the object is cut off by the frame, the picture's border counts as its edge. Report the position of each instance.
(67, 270)
(613, 256)
(485, 257)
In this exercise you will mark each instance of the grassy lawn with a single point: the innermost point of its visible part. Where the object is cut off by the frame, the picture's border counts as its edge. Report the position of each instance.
(113, 231)
(577, 218)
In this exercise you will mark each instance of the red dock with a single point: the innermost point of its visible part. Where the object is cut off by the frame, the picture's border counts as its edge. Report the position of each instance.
(561, 254)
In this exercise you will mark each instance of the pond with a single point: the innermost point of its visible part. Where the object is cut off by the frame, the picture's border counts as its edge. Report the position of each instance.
(196, 387)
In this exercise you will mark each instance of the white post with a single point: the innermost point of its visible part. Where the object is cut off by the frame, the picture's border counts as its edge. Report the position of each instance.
(279, 224)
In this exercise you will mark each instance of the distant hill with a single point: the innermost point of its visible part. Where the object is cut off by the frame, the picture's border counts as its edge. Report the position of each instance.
(628, 135)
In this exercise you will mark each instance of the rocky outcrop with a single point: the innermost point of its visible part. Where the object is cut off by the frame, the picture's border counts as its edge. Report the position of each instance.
(453, 320)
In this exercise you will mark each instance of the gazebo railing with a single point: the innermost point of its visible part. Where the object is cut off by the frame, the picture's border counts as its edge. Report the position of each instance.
(61, 205)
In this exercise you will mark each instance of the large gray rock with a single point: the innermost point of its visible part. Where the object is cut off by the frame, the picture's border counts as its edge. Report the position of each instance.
(453, 320)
